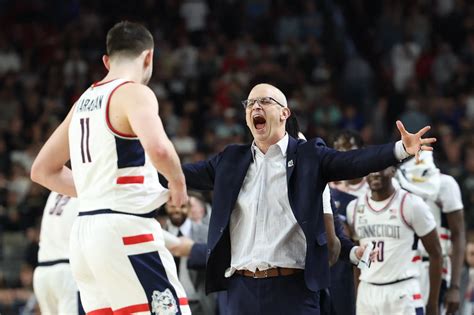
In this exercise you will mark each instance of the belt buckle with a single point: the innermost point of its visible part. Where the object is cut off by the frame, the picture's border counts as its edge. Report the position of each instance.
(265, 275)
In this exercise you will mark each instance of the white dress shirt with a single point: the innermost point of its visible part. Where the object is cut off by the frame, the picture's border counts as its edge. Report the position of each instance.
(264, 232)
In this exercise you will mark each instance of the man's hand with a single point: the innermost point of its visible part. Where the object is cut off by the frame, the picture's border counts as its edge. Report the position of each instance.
(360, 251)
(452, 300)
(183, 249)
(178, 194)
(413, 142)
(432, 309)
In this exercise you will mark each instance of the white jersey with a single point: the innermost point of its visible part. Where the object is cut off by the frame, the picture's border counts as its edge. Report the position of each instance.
(447, 200)
(111, 170)
(58, 216)
(390, 225)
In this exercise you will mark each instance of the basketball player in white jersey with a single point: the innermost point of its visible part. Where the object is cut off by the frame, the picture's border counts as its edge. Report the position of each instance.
(442, 194)
(391, 220)
(116, 143)
(53, 283)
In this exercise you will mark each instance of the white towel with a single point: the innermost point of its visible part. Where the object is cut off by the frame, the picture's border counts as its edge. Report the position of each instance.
(422, 178)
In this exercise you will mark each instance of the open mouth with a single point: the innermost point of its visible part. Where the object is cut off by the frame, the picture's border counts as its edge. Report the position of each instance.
(259, 122)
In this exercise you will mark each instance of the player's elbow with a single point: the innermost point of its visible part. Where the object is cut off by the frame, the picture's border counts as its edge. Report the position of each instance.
(436, 252)
(37, 172)
(159, 152)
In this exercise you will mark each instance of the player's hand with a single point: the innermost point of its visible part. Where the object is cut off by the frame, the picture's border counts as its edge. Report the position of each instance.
(432, 309)
(452, 300)
(360, 251)
(413, 142)
(183, 249)
(178, 194)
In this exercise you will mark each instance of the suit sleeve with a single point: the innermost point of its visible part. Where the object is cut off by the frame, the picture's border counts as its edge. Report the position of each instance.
(346, 243)
(197, 257)
(336, 165)
(199, 175)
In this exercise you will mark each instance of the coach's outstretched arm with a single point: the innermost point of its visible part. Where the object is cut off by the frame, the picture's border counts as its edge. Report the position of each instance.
(49, 168)
(338, 165)
(431, 243)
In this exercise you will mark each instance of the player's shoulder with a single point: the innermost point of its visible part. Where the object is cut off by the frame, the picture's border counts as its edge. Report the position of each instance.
(135, 90)
(351, 205)
(411, 202)
(409, 196)
(448, 181)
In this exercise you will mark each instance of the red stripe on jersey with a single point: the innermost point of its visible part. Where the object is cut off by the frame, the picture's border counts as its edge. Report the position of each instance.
(445, 271)
(130, 180)
(417, 296)
(444, 236)
(101, 311)
(132, 309)
(183, 301)
(401, 210)
(416, 258)
(384, 207)
(137, 239)
(102, 82)
(107, 118)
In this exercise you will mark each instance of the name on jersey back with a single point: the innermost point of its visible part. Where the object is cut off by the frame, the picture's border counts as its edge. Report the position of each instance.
(90, 104)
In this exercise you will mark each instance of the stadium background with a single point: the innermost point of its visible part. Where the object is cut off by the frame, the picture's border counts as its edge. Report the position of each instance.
(342, 64)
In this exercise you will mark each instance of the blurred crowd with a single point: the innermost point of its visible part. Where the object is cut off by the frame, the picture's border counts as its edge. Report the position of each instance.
(357, 64)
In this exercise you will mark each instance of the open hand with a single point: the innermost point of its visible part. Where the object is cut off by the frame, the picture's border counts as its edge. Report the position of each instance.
(413, 142)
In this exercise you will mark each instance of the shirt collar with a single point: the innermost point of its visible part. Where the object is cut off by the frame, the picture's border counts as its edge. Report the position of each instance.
(282, 144)
(185, 228)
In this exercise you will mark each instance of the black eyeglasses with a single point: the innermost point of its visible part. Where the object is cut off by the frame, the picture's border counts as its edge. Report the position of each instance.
(263, 101)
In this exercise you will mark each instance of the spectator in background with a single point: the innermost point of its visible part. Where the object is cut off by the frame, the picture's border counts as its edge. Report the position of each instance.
(467, 184)
(413, 117)
(229, 126)
(444, 65)
(404, 56)
(199, 210)
(194, 13)
(183, 141)
(180, 224)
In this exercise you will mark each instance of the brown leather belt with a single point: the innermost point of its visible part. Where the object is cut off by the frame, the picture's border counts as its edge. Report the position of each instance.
(272, 272)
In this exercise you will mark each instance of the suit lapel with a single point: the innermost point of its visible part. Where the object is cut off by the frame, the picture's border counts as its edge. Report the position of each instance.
(241, 163)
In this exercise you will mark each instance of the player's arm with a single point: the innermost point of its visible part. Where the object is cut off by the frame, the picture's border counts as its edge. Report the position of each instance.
(350, 211)
(451, 200)
(141, 108)
(458, 241)
(433, 247)
(334, 244)
(420, 218)
(49, 168)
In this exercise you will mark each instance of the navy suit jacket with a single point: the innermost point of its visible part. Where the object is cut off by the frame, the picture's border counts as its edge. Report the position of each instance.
(310, 165)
